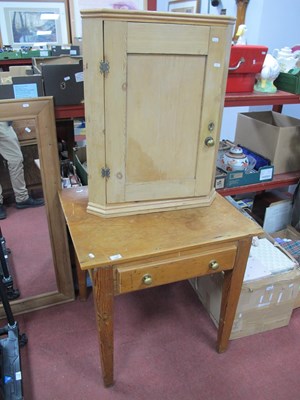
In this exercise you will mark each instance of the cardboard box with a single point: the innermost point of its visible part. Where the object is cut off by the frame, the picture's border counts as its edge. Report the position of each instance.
(265, 303)
(290, 233)
(80, 164)
(64, 82)
(274, 135)
(273, 209)
(37, 62)
(245, 62)
(21, 87)
(263, 171)
(220, 178)
(65, 50)
(20, 70)
(242, 178)
(35, 53)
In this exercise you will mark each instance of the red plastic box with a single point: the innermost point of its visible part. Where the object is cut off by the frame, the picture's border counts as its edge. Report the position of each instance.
(245, 62)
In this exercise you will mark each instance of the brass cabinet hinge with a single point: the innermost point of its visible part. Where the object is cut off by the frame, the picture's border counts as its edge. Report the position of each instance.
(105, 172)
(104, 67)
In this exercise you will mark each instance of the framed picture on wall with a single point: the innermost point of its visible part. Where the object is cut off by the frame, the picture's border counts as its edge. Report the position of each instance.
(77, 5)
(184, 6)
(34, 23)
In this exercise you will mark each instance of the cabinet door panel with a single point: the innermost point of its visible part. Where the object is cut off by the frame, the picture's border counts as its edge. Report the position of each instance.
(162, 132)
(153, 111)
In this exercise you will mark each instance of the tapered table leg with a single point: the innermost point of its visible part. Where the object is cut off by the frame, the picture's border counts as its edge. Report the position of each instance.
(104, 301)
(232, 285)
(81, 277)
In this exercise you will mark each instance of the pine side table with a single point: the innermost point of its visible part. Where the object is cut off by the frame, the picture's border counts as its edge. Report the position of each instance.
(129, 253)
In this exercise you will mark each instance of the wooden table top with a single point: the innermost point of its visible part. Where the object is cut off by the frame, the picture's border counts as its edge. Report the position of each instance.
(102, 241)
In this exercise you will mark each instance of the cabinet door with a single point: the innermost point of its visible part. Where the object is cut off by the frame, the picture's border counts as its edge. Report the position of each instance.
(156, 92)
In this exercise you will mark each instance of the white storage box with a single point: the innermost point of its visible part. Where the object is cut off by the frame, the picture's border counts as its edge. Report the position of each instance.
(267, 298)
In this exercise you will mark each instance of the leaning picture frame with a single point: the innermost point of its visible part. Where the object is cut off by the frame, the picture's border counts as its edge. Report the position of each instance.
(184, 6)
(77, 5)
(27, 24)
(42, 115)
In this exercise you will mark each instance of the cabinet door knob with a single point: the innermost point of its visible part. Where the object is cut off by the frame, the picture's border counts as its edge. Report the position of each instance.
(209, 141)
(213, 265)
(147, 279)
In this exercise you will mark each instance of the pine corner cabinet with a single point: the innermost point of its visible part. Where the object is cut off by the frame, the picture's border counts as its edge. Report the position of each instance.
(154, 93)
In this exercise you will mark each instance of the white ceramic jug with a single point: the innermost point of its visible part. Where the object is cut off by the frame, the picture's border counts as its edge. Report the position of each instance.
(286, 58)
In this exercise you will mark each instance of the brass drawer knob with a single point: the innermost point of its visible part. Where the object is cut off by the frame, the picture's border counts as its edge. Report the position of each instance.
(147, 279)
(213, 265)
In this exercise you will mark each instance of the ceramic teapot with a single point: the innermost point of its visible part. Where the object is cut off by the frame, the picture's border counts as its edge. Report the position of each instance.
(286, 58)
(283, 52)
(235, 160)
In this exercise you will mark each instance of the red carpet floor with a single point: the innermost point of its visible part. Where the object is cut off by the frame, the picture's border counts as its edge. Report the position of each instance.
(31, 264)
(164, 349)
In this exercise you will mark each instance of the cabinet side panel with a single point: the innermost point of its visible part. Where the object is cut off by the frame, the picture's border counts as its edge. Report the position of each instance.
(214, 94)
(94, 107)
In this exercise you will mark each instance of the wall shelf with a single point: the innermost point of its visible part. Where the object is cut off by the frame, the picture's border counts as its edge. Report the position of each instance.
(279, 180)
(277, 100)
(260, 99)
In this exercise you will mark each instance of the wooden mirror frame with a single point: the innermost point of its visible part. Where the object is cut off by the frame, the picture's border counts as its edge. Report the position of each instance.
(42, 111)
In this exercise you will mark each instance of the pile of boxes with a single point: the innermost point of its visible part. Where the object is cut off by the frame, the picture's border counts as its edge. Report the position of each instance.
(64, 81)
(20, 82)
(8, 53)
(272, 139)
(270, 290)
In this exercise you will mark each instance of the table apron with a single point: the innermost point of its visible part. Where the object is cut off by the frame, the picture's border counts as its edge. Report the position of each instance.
(175, 268)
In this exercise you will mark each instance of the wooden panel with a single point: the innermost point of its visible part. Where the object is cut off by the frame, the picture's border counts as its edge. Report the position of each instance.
(157, 17)
(167, 39)
(214, 92)
(115, 108)
(174, 269)
(94, 108)
(133, 237)
(162, 132)
(25, 130)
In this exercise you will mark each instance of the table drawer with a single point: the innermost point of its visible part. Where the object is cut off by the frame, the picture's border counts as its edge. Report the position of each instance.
(174, 268)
